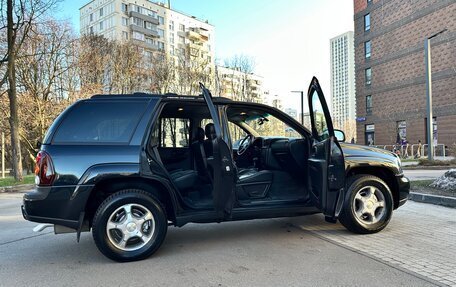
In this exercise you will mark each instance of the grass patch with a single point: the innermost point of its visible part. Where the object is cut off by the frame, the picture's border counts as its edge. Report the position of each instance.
(420, 183)
(422, 186)
(426, 162)
(9, 181)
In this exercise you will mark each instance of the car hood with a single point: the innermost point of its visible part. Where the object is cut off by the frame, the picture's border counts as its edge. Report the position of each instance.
(360, 151)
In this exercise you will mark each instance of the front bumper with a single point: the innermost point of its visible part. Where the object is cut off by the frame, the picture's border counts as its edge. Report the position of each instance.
(403, 184)
(60, 205)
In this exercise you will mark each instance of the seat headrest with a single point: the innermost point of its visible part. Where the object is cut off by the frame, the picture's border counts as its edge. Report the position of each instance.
(209, 130)
(199, 135)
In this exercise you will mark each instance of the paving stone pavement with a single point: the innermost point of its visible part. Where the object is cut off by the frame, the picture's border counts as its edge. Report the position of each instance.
(420, 238)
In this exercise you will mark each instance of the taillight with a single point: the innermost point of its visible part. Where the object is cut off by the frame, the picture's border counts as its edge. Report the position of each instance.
(44, 169)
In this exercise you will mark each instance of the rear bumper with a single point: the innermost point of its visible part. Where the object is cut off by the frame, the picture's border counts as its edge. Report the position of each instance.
(60, 205)
(403, 184)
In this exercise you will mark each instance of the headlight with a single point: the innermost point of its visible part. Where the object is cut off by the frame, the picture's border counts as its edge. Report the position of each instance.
(399, 161)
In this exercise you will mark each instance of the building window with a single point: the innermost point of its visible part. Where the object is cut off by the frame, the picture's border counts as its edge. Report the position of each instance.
(125, 35)
(367, 49)
(124, 7)
(161, 33)
(171, 25)
(91, 30)
(181, 40)
(182, 27)
(171, 50)
(368, 76)
(401, 131)
(367, 22)
(124, 21)
(161, 46)
(368, 104)
(101, 11)
(101, 25)
(161, 20)
(91, 17)
(171, 38)
(138, 36)
(369, 134)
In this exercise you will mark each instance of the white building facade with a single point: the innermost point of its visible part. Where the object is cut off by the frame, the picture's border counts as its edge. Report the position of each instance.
(343, 94)
(151, 25)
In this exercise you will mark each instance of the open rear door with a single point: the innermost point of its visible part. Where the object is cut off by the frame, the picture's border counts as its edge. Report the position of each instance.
(224, 169)
(326, 161)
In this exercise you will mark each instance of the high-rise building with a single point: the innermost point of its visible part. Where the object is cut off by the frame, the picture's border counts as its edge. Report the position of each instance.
(343, 97)
(390, 70)
(151, 25)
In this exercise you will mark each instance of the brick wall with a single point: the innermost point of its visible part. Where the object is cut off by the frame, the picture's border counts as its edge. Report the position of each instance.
(398, 30)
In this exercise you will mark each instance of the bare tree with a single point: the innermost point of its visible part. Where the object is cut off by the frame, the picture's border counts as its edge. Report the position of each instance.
(44, 65)
(18, 22)
(239, 82)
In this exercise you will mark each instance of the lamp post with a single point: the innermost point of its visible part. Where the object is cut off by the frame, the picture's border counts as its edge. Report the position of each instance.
(430, 126)
(302, 105)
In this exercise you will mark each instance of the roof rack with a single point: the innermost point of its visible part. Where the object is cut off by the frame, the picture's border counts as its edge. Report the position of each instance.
(147, 95)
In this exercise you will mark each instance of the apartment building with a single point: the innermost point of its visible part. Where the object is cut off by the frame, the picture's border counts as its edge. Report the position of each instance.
(237, 85)
(343, 96)
(151, 25)
(390, 70)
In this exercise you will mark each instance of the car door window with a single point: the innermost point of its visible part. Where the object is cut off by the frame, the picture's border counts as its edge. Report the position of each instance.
(174, 132)
(236, 133)
(319, 119)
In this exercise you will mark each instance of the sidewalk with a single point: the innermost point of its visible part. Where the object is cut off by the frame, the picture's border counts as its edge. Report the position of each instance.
(420, 238)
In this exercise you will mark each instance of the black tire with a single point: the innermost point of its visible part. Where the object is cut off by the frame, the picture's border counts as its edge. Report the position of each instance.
(348, 217)
(111, 204)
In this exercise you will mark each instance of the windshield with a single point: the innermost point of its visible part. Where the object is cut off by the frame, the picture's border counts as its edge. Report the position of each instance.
(267, 125)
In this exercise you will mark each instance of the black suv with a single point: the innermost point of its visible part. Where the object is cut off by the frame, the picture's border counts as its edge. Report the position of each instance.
(127, 166)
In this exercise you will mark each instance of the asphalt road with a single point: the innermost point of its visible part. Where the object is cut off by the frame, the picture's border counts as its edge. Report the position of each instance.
(274, 252)
(423, 174)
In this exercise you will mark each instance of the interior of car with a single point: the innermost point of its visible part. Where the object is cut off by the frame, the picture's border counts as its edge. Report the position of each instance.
(270, 156)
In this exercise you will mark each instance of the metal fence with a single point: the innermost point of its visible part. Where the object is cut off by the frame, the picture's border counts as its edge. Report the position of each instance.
(439, 149)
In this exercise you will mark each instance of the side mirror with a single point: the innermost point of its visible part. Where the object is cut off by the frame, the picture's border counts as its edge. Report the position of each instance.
(340, 135)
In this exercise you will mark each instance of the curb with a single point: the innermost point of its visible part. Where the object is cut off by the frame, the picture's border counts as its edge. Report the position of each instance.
(17, 188)
(433, 199)
(439, 167)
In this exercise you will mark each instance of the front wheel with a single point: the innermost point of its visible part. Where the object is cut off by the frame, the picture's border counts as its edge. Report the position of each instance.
(129, 225)
(368, 205)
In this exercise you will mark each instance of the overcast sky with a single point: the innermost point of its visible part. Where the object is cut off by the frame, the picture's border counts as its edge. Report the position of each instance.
(289, 40)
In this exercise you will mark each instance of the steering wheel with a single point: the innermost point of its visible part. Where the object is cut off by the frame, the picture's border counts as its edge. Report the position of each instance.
(244, 144)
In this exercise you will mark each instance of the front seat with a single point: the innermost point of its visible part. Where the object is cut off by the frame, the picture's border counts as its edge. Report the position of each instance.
(209, 131)
(199, 154)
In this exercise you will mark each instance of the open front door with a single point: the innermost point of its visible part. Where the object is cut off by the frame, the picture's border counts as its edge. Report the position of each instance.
(224, 169)
(326, 161)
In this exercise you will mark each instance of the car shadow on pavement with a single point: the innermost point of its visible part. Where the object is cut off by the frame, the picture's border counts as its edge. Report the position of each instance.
(192, 238)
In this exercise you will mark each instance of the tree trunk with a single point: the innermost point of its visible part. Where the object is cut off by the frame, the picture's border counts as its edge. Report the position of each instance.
(14, 119)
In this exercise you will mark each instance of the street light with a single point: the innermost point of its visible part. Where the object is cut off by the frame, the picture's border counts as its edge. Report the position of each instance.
(427, 56)
(302, 105)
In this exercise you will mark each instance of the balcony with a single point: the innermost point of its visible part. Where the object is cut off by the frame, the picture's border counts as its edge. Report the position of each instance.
(147, 32)
(194, 46)
(145, 45)
(144, 17)
(197, 34)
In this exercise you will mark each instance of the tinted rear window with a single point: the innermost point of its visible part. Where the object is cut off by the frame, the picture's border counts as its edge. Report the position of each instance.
(100, 122)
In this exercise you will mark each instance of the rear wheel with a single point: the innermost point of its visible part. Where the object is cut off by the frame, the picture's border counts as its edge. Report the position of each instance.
(368, 206)
(129, 225)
